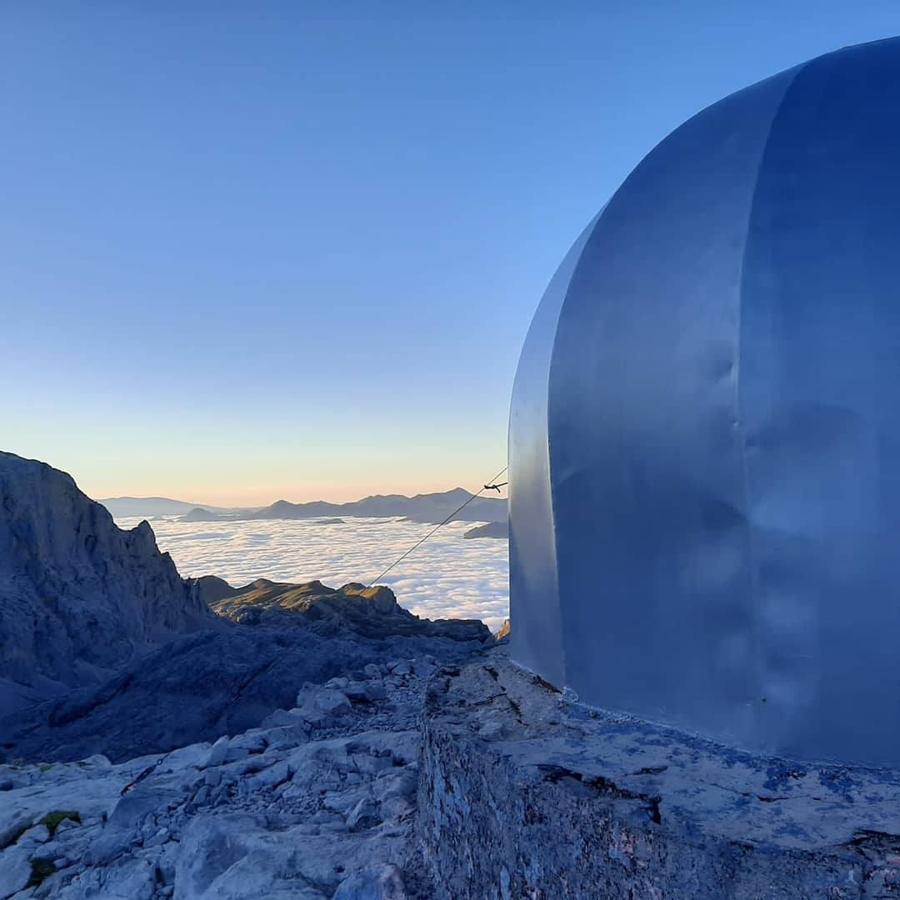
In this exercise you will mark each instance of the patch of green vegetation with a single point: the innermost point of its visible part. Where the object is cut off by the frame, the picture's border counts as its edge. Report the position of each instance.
(45, 767)
(41, 868)
(52, 819)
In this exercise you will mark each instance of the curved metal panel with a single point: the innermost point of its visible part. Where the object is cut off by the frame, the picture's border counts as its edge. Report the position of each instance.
(537, 642)
(703, 441)
(821, 351)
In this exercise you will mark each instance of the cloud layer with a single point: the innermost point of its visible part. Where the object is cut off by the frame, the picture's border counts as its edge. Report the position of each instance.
(447, 576)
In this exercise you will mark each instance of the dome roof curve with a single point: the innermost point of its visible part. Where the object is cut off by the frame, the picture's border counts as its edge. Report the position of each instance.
(705, 428)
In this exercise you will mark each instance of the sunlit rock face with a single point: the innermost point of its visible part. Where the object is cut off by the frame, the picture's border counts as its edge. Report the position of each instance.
(705, 428)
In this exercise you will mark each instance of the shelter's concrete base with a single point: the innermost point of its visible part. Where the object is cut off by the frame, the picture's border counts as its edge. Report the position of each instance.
(524, 794)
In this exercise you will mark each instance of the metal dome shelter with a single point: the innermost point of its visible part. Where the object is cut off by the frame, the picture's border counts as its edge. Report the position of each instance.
(705, 428)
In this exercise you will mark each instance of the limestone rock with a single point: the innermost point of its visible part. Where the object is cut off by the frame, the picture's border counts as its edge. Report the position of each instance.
(322, 702)
(79, 597)
(39, 834)
(273, 812)
(523, 793)
(381, 882)
(217, 753)
(15, 870)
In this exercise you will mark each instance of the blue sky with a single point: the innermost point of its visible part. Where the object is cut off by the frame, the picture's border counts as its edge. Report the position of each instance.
(261, 250)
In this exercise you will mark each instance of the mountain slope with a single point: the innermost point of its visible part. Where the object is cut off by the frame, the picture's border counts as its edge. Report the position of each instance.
(491, 530)
(428, 508)
(79, 597)
(425, 508)
(146, 507)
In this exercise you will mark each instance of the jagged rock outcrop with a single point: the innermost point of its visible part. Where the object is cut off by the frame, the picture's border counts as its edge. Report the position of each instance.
(79, 597)
(212, 588)
(370, 612)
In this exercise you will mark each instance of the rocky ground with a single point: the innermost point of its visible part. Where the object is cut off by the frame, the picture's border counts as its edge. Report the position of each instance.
(317, 802)
(225, 680)
(526, 793)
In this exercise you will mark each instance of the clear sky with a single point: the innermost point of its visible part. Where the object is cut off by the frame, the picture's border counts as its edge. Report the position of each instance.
(258, 250)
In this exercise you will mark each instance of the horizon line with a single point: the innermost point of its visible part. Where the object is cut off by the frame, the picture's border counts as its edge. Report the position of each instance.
(200, 505)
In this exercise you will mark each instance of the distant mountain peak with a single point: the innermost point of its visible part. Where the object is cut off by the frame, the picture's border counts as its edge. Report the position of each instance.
(428, 508)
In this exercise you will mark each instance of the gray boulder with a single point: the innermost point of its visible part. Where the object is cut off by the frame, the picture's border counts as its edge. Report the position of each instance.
(378, 882)
(15, 870)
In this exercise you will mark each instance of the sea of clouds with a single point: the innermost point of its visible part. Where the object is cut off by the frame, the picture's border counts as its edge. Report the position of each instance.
(448, 576)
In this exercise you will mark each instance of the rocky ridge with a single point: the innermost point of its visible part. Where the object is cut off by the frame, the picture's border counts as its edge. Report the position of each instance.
(79, 597)
(227, 679)
(370, 612)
